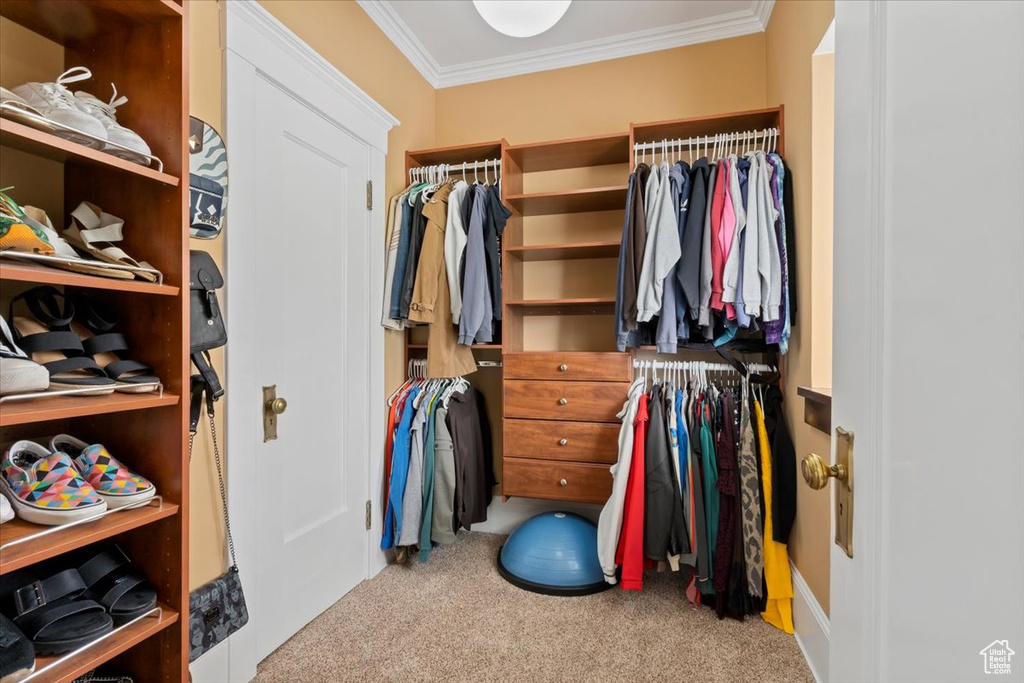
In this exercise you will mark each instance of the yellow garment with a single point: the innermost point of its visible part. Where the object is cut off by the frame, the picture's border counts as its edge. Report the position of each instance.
(778, 610)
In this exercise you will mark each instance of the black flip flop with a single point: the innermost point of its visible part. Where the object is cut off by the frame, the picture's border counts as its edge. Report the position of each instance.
(112, 582)
(53, 614)
(17, 658)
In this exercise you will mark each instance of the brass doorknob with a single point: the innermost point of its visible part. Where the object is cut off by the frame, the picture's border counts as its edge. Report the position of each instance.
(817, 473)
(277, 405)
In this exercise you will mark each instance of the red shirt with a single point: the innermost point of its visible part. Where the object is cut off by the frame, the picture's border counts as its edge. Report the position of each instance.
(630, 553)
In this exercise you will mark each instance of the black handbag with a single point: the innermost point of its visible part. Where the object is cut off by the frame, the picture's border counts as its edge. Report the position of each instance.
(206, 325)
(217, 608)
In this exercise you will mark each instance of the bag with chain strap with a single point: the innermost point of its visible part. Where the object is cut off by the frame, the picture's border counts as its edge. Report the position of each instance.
(216, 609)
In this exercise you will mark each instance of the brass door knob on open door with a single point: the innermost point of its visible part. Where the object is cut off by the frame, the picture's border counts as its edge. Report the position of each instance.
(817, 473)
(273, 406)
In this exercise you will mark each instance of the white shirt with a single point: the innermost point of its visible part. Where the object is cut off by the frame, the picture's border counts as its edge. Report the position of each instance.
(455, 238)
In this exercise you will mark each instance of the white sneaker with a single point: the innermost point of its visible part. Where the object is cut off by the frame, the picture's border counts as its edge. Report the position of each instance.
(18, 373)
(55, 102)
(6, 511)
(106, 114)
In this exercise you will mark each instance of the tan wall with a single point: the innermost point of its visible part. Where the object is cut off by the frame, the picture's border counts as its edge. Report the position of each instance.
(605, 97)
(795, 29)
(345, 36)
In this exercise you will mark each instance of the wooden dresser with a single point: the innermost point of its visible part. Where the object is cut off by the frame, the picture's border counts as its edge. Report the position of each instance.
(560, 426)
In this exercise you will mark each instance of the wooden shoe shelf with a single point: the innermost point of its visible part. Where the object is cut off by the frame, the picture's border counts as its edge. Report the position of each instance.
(141, 45)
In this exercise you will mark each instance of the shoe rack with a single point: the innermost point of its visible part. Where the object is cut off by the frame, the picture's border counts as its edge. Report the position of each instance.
(142, 46)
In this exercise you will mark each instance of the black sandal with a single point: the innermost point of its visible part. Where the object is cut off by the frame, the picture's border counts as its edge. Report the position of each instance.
(111, 582)
(48, 340)
(53, 614)
(108, 348)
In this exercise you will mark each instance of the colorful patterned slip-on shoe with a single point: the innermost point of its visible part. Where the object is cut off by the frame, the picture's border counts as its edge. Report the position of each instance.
(114, 482)
(45, 487)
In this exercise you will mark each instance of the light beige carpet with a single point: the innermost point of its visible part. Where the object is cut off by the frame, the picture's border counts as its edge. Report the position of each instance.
(456, 619)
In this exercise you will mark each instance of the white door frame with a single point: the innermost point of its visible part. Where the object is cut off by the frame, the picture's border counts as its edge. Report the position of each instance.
(258, 46)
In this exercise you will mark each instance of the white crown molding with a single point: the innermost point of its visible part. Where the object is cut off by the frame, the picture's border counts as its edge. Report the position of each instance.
(730, 25)
(258, 18)
(387, 19)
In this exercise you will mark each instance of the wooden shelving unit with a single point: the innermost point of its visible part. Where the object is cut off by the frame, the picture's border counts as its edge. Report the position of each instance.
(565, 252)
(598, 150)
(568, 201)
(39, 274)
(141, 45)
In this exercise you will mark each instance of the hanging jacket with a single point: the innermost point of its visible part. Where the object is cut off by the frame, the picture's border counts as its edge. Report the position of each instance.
(728, 488)
(635, 249)
(790, 208)
(399, 474)
(771, 275)
(625, 339)
(693, 237)
(412, 500)
(477, 314)
(455, 247)
(778, 609)
(751, 523)
(704, 308)
(429, 460)
(394, 237)
(417, 230)
(609, 523)
(662, 509)
(784, 477)
(630, 553)
(752, 238)
(494, 225)
(471, 441)
(401, 258)
(442, 514)
(661, 253)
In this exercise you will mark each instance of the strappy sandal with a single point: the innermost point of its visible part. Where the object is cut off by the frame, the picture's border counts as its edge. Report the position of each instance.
(48, 340)
(94, 232)
(111, 581)
(53, 613)
(107, 348)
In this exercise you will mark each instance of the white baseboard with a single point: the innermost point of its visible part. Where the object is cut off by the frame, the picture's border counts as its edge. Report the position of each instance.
(213, 667)
(812, 627)
(503, 518)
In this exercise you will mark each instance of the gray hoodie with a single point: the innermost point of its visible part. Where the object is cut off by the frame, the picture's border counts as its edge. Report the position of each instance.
(662, 250)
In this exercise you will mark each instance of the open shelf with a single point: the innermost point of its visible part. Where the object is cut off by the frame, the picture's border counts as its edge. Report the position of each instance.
(29, 272)
(69, 22)
(454, 155)
(414, 347)
(584, 306)
(51, 545)
(60, 407)
(567, 251)
(569, 201)
(40, 143)
(106, 649)
(599, 150)
(754, 119)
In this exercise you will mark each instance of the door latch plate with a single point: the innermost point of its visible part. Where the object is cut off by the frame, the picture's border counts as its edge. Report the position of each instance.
(844, 491)
(269, 416)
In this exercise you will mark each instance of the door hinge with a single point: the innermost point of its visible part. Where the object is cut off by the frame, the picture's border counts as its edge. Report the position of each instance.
(369, 195)
(369, 513)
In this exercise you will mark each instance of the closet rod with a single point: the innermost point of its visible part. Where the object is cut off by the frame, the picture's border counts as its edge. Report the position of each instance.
(706, 140)
(463, 167)
(697, 365)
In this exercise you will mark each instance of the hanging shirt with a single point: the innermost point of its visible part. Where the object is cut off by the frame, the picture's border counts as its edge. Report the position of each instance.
(445, 358)
(778, 331)
(401, 258)
(471, 441)
(778, 609)
(624, 339)
(412, 499)
(455, 247)
(709, 469)
(663, 521)
(750, 494)
(477, 314)
(662, 251)
(399, 475)
(635, 249)
(417, 230)
(751, 290)
(704, 291)
(718, 204)
(630, 552)
(442, 512)
(728, 488)
(725, 240)
(394, 224)
(609, 523)
(497, 216)
(693, 237)
(429, 452)
(771, 271)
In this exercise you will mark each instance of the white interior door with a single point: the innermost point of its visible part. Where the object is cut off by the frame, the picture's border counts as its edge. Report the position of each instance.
(928, 338)
(310, 250)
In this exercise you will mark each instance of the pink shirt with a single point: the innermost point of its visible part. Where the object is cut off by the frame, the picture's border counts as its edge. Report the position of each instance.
(728, 229)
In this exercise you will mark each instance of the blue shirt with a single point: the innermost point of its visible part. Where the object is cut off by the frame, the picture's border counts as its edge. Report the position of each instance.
(399, 473)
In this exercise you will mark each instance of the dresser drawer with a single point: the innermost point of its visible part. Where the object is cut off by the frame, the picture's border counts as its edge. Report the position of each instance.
(578, 401)
(571, 367)
(556, 480)
(553, 440)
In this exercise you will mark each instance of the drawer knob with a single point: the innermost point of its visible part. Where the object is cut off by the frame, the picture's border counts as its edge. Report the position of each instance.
(563, 367)
(562, 442)
(563, 482)
(562, 401)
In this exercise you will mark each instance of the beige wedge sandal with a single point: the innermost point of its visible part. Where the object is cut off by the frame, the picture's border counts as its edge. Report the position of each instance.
(95, 232)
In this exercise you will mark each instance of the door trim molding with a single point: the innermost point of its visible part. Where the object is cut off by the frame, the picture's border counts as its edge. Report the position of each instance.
(811, 626)
(258, 47)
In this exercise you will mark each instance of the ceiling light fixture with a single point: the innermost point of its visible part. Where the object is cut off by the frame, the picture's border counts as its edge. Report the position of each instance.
(521, 18)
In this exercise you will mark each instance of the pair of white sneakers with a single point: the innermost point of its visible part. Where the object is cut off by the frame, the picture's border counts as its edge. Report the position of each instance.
(84, 113)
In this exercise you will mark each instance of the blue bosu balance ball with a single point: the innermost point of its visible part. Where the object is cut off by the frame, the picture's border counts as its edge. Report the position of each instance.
(554, 553)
